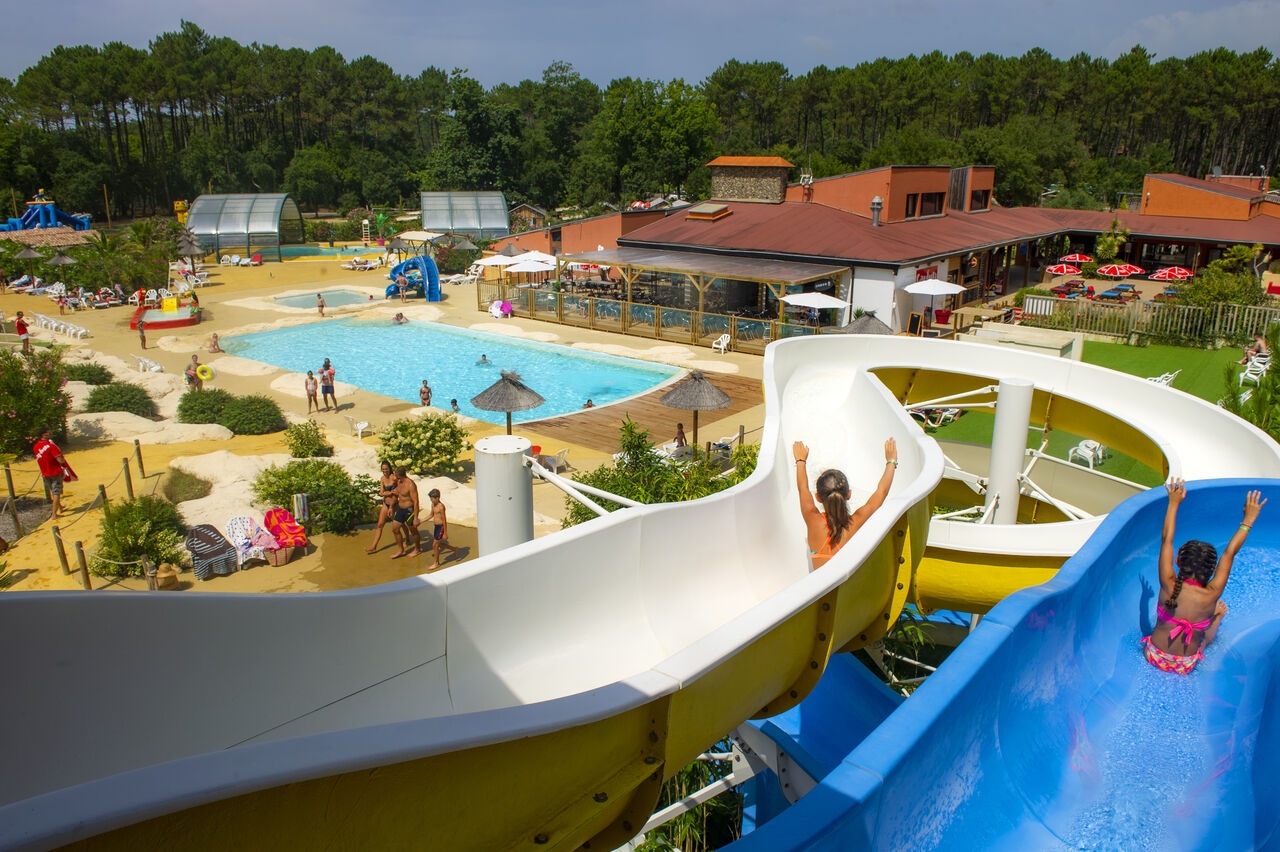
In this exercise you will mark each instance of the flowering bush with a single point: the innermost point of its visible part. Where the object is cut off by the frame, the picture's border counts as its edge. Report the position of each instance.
(31, 396)
(423, 445)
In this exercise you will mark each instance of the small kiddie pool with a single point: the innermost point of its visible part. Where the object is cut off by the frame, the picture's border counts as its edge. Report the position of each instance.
(157, 319)
(332, 299)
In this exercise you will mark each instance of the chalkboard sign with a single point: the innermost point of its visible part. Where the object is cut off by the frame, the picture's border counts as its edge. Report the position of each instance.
(915, 325)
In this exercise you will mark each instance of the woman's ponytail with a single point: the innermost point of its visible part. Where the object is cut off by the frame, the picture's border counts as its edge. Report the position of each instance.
(833, 490)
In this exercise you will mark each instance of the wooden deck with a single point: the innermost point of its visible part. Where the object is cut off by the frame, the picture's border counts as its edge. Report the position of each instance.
(597, 428)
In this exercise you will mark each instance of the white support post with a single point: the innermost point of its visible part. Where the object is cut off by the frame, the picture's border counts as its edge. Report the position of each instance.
(504, 493)
(1008, 448)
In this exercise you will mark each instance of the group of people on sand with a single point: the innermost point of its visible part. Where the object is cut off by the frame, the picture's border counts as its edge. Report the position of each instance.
(323, 386)
(400, 506)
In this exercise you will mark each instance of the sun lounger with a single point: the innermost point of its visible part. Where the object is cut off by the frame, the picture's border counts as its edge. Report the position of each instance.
(210, 553)
(146, 365)
(240, 532)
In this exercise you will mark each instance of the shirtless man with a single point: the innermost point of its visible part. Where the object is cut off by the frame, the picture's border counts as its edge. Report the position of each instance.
(439, 530)
(404, 518)
(320, 303)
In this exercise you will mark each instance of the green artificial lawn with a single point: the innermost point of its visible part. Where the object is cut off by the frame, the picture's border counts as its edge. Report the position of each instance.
(1201, 376)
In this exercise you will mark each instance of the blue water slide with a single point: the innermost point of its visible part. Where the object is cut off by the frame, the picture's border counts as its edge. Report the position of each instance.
(1046, 729)
(45, 216)
(427, 271)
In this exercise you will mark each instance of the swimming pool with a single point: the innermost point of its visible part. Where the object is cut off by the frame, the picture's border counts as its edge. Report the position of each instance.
(332, 299)
(328, 251)
(392, 360)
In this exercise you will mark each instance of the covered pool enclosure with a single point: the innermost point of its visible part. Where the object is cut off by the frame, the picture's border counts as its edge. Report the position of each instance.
(246, 223)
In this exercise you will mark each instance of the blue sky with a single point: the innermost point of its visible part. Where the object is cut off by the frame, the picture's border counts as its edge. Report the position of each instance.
(505, 41)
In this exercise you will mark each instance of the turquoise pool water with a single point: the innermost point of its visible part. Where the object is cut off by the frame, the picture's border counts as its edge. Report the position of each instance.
(392, 360)
(327, 251)
(332, 299)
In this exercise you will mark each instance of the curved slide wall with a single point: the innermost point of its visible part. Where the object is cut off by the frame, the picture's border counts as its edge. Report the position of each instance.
(1047, 729)
(534, 697)
(429, 284)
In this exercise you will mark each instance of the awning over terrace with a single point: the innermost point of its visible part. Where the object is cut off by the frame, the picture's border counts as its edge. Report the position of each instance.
(711, 265)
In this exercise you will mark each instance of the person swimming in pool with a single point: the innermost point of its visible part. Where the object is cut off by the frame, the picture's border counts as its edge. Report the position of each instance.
(1192, 608)
(399, 319)
(453, 403)
(829, 530)
(484, 361)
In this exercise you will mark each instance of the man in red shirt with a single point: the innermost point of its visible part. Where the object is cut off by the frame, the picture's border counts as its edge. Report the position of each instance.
(24, 334)
(53, 467)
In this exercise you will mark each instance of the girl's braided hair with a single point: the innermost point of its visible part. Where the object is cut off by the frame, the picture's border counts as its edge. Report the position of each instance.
(1196, 559)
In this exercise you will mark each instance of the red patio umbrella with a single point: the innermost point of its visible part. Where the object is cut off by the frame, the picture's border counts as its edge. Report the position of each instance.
(1115, 270)
(1063, 269)
(1076, 258)
(1135, 270)
(1172, 273)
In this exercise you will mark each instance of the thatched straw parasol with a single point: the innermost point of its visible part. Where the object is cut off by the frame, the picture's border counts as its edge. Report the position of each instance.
(696, 394)
(508, 394)
(464, 244)
(509, 250)
(29, 254)
(866, 324)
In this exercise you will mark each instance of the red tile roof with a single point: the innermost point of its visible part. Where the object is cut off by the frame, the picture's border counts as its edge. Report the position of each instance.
(751, 161)
(809, 230)
(1210, 186)
(37, 237)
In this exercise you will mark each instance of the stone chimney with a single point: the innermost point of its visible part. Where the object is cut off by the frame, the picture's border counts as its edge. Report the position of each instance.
(749, 179)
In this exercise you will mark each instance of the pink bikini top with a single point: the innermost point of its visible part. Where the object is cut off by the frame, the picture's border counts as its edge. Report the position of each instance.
(1180, 625)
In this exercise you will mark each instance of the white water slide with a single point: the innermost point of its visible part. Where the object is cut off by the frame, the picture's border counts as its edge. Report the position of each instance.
(534, 698)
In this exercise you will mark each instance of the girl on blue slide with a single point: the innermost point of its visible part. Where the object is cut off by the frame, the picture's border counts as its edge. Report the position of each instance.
(1191, 610)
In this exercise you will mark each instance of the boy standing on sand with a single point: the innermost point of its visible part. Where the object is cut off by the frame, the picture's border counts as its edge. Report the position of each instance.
(439, 530)
(142, 333)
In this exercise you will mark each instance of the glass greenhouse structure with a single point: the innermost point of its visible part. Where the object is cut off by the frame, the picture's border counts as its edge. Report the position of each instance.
(475, 214)
(246, 223)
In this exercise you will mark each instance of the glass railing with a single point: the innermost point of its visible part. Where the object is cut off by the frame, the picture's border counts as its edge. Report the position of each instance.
(676, 324)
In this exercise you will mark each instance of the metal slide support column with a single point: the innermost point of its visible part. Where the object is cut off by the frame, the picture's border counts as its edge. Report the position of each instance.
(504, 493)
(1008, 448)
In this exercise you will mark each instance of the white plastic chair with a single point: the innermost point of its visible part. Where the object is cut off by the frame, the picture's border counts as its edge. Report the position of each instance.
(721, 344)
(358, 427)
(1254, 372)
(151, 299)
(1090, 451)
(226, 260)
(555, 462)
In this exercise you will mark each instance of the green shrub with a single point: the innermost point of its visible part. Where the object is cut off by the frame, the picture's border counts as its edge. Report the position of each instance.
(31, 396)
(306, 440)
(337, 502)
(147, 525)
(252, 415)
(203, 406)
(90, 374)
(423, 445)
(180, 486)
(121, 396)
(1020, 296)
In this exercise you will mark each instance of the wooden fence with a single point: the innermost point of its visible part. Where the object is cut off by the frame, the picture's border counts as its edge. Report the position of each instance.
(1155, 319)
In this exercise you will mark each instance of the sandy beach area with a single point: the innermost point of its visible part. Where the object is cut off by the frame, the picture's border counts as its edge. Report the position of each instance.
(241, 300)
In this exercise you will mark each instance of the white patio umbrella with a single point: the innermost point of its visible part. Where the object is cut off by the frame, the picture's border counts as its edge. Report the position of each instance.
(537, 255)
(419, 236)
(496, 260)
(813, 300)
(933, 287)
(531, 266)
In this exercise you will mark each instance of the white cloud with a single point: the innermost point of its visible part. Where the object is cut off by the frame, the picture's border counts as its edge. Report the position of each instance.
(1243, 26)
